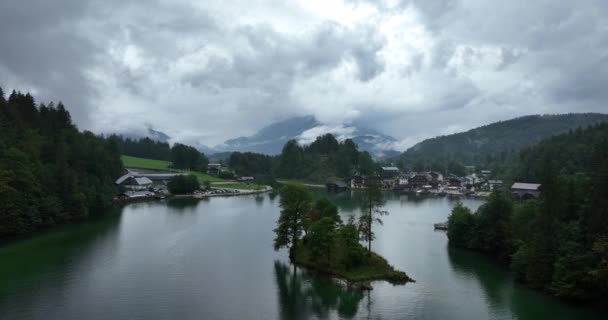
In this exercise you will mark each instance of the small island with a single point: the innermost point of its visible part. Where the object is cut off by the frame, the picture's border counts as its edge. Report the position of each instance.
(318, 239)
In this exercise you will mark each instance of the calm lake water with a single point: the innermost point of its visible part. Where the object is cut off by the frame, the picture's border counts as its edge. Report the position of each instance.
(213, 259)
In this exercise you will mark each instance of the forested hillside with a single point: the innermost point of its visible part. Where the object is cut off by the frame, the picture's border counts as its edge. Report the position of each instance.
(50, 173)
(494, 142)
(559, 243)
(570, 153)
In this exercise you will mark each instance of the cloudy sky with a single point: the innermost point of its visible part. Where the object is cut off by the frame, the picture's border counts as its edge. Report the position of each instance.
(206, 71)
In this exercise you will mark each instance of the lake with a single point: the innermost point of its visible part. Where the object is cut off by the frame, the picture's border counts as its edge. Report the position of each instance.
(213, 259)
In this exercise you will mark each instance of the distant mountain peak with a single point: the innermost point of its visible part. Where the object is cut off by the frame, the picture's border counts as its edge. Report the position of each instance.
(272, 138)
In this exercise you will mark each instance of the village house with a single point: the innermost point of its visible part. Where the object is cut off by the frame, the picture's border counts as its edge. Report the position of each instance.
(494, 184)
(336, 186)
(525, 191)
(436, 177)
(245, 179)
(357, 182)
(390, 172)
(214, 168)
(455, 182)
(134, 182)
(419, 180)
(402, 182)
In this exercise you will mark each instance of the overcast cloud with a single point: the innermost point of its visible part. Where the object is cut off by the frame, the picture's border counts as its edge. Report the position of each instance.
(206, 71)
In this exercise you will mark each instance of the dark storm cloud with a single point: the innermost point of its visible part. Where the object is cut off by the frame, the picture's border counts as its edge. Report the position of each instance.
(443, 64)
(45, 52)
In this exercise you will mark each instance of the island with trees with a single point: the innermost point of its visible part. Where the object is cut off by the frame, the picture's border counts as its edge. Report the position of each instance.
(318, 239)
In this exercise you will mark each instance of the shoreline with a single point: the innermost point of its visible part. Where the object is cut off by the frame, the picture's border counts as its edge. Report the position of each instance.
(238, 192)
(376, 268)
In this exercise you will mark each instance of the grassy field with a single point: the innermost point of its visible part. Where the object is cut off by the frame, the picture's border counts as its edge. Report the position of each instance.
(142, 163)
(134, 162)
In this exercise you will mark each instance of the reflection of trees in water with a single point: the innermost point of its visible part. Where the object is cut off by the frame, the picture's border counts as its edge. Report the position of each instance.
(184, 203)
(259, 199)
(302, 295)
(496, 284)
(57, 252)
(502, 294)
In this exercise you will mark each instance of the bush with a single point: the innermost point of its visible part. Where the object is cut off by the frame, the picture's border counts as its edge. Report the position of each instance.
(183, 184)
(226, 175)
(460, 226)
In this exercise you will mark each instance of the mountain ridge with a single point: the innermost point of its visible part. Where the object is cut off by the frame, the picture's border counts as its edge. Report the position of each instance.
(482, 144)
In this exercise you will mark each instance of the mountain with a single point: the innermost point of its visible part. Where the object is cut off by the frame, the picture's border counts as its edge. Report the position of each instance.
(147, 133)
(271, 139)
(494, 141)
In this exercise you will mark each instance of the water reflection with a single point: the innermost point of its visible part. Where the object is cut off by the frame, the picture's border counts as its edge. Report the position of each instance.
(183, 204)
(67, 248)
(302, 295)
(496, 283)
(259, 200)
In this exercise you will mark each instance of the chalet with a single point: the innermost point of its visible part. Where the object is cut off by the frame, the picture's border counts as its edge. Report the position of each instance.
(362, 182)
(134, 182)
(358, 182)
(494, 184)
(336, 186)
(455, 182)
(486, 173)
(436, 177)
(525, 191)
(402, 182)
(389, 184)
(418, 180)
(214, 168)
(245, 179)
(390, 172)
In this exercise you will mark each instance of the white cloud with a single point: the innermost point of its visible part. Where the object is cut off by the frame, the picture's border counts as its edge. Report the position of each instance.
(341, 133)
(207, 71)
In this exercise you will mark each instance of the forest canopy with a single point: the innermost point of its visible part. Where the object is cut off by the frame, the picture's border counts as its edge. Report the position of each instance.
(50, 173)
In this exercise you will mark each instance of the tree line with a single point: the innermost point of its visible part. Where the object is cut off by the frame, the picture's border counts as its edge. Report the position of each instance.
(558, 243)
(323, 159)
(143, 147)
(50, 172)
(181, 156)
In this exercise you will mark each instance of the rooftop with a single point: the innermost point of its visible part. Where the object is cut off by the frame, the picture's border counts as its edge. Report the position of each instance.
(525, 186)
(390, 169)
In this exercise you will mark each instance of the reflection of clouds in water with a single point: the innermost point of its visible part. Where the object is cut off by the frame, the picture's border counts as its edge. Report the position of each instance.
(303, 295)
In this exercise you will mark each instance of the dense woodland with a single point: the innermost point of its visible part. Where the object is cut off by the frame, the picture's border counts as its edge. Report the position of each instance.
(558, 243)
(492, 144)
(324, 159)
(50, 173)
(143, 148)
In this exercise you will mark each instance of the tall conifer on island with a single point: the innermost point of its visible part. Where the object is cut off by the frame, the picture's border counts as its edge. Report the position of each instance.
(370, 211)
(296, 203)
